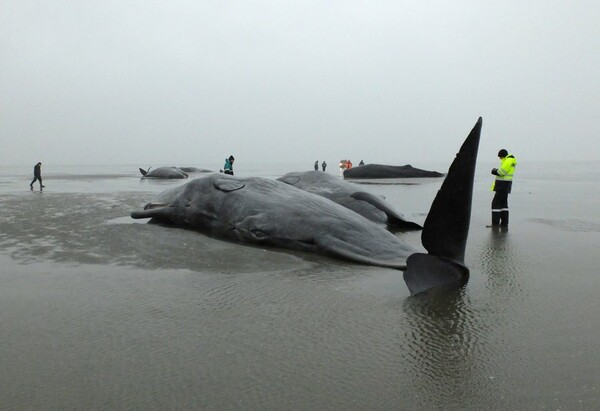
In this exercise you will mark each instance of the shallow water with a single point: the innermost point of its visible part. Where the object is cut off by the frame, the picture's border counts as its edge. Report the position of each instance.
(101, 311)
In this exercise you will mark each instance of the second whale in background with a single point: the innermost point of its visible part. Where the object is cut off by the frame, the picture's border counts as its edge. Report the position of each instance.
(383, 171)
(350, 196)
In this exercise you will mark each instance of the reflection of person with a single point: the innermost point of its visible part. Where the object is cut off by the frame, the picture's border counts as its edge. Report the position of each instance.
(324, 165)
(37, 176)
(317, 165)
(502, 186)
(228, 167)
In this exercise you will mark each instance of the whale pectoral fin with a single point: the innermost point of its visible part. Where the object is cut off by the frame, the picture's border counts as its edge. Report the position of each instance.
(342, 249)
(228, 184)
(395, 220)
(426, 271)
(144, 172)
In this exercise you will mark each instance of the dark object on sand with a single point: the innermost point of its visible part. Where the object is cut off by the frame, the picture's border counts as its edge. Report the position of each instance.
(383, 171)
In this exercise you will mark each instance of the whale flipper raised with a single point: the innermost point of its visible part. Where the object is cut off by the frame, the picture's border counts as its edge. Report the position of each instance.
(394, 219)
(446, 227)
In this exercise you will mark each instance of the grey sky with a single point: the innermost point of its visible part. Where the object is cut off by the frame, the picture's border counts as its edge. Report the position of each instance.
(190, 82)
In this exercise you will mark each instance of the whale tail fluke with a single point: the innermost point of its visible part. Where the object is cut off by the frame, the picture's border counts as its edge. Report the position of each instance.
(446, 227)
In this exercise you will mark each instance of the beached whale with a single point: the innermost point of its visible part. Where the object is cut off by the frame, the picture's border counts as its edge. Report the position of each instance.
(269, 212)
(164, 172)
(384, 171)
(350, 196)
(194, 170)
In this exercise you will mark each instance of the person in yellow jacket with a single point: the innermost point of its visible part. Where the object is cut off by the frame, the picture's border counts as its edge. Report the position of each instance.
(502, 186)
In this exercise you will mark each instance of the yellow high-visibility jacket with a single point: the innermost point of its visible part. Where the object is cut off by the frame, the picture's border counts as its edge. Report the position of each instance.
(504, 174)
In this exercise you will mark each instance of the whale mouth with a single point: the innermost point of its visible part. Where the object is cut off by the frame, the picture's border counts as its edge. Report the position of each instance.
(151, 206)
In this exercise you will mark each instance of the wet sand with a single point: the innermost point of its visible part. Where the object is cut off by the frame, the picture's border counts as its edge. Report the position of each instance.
(99, 311)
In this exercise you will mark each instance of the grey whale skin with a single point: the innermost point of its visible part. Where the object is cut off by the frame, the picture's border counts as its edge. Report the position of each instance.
(350, 196)
(164, 172)
(383, 171)
(269, 212)
(171, 172)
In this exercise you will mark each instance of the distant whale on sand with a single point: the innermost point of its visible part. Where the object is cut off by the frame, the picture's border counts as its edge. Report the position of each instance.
(164, 172)
(350, 196)
(171, 172)
(383, 171)
(194, 170)
(269, 212)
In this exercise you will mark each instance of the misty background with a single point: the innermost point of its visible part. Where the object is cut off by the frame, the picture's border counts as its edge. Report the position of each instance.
(396, 82)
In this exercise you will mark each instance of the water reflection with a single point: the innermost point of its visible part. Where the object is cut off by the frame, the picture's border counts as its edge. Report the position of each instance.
(458, 344)
(500, 263)
(444, 350)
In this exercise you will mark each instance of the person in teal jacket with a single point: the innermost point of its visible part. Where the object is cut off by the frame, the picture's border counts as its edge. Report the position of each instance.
(502, 186)
(228, 167)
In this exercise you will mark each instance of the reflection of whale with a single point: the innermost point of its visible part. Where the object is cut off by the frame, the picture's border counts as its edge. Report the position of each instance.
(350, 196)
(383, 171)
(269, 212)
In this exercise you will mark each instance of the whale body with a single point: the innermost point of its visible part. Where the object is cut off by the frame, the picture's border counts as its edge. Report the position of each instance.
(384, 171)
(350, 196)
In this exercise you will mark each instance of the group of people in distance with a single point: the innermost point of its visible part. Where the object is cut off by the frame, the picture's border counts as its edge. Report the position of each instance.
(502, 183)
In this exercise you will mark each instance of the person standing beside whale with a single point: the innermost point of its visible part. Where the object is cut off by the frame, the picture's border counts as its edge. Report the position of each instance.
(502, 186)
(37, 176)
(228, 167)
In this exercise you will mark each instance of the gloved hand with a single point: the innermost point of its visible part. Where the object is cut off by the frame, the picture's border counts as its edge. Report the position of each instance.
(495, 171)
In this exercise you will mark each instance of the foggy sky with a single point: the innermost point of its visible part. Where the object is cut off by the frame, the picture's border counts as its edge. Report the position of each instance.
(189, 82)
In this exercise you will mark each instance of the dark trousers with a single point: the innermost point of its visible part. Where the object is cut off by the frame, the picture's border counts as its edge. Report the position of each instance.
(37, 178)
(500, 208)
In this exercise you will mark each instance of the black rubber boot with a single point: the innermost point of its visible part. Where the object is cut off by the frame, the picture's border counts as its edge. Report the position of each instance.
(495, 218)
(504, 218)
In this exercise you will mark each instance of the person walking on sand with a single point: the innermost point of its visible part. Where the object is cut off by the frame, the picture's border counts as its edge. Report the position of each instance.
(317, 165)
(228, 167)
(37, 176)
(324, 165)
(502, 186)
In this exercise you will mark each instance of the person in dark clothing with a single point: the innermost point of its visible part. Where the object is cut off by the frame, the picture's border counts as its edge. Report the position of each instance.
(228, 167)
(324, 165)
(317, 165)
(37, 176)
(362, 163)
(502, 186)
